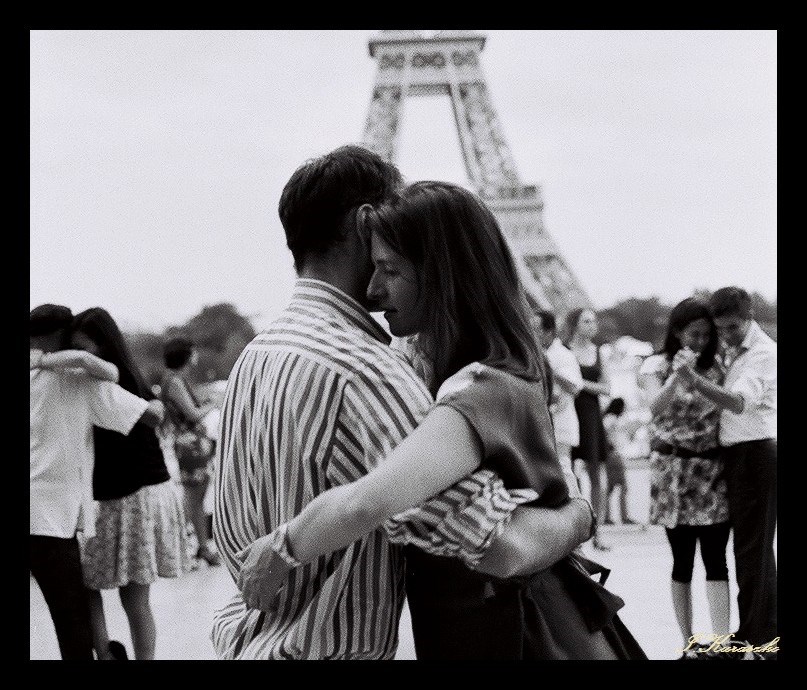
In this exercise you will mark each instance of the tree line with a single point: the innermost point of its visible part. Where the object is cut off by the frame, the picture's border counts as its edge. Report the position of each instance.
(221, 332)
(646, 319)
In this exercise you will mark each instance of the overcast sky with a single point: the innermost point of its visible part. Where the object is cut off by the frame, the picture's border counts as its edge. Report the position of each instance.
(158, 157)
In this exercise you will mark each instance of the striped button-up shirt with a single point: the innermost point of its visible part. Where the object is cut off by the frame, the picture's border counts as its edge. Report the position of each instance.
(313, 402)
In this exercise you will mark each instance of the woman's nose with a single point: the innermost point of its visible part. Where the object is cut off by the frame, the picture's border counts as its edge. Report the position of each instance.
(373, 288)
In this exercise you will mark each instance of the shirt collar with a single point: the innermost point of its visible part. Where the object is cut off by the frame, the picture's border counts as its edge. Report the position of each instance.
(334, 301)
(36, 356)
(751, 337)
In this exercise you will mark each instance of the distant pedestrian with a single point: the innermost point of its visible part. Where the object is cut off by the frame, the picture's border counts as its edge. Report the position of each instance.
(567, 383)
(193, 448)
(593, 446)
(615, 475)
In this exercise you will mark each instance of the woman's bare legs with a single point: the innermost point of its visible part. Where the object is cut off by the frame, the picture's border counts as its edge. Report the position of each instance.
(194, 495)
(682, 605)
(100, 635)
(195, 512)
(135, 600)
(717, 594)
(597, 500)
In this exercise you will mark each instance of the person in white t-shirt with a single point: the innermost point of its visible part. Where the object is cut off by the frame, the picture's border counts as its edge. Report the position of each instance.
(68, 397)
(567, 383)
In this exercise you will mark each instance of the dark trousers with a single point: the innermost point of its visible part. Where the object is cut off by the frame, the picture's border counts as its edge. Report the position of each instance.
(56, 565)
(751, 479)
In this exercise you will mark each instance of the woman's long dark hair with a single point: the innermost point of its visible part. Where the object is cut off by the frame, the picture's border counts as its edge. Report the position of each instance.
(97, 324)
(475, 305)
(684, 313)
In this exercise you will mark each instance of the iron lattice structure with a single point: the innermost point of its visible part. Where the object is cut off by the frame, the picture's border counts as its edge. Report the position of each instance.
(411, 63)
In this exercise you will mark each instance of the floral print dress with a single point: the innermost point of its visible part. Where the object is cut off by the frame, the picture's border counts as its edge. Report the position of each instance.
(686, 491)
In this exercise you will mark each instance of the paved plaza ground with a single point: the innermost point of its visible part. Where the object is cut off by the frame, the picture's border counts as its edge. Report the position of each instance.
(640, 561)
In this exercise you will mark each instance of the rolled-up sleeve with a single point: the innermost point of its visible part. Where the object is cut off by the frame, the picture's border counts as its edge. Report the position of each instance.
(569, 369)
(113, 407)
(465, 519)
(757, 378)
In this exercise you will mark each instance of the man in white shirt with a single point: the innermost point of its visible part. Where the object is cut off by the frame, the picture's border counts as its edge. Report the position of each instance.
(64, 407)
(567, 382)
(748, 399)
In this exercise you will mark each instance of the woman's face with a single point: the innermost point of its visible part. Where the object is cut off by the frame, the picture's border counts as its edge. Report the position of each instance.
(394, 289)
(695, 335)
(81, 341)
(587, 324)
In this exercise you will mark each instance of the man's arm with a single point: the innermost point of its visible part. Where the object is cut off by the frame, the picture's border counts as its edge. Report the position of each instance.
(537, 538)
(113, 407)
(566, 370)
(566, 384)
(80, 359)
(733, 402)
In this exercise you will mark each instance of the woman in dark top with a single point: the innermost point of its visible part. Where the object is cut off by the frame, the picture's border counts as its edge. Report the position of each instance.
(443, 272)
(581, 326)
(139, 527)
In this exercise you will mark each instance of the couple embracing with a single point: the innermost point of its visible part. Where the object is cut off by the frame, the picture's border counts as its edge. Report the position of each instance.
(347, 471)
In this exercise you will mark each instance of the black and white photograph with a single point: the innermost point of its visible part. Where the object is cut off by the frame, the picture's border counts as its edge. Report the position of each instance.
(414, 345)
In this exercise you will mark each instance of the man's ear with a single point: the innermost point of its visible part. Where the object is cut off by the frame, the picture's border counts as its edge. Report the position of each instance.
(360, 222)
(349, 229)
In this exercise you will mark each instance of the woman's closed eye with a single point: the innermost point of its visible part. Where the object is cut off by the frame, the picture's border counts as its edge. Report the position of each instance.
(383, 268)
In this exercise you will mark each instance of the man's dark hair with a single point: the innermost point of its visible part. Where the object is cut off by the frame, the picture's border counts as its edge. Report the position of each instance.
(730, 301)
(318, 196)
(177, 351)
(548, 322)
(49, 318)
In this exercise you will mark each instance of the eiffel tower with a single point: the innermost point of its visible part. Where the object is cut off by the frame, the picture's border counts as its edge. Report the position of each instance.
(414, 63)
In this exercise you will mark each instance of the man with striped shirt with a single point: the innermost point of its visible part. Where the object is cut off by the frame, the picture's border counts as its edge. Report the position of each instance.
(316, 401)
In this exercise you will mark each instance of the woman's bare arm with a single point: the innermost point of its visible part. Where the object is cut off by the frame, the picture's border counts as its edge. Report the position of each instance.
(659, 395)
(179, 395)
(567, 385)
(734, 402)
(436, 455)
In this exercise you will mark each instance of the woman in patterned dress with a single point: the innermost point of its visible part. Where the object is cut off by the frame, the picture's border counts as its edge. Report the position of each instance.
(687, 483)
(140, 532)
(184, 410)
(443, 272)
